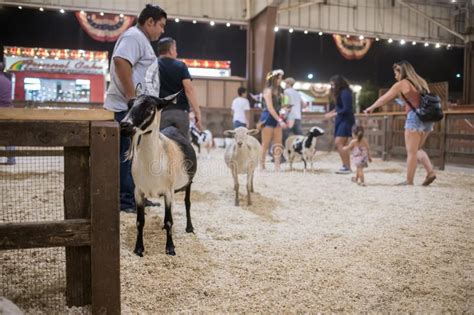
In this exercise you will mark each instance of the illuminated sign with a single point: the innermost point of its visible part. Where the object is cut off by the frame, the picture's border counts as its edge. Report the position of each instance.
(208, 68)
(53, 65)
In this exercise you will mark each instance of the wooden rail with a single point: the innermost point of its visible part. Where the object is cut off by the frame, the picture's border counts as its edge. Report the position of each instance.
(90, 231)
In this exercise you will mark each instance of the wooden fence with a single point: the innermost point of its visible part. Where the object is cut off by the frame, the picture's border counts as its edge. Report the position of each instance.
(452, 140)
(90, 229)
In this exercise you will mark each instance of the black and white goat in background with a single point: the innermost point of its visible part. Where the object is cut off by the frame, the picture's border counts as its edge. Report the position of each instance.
(163, 163)
(201, 139)
(303, 147)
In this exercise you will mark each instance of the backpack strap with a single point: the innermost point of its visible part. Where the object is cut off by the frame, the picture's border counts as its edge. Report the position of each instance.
(406, 99)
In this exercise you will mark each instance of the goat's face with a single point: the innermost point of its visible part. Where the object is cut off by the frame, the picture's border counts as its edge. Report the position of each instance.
(316, 131)
(240, 135)
(142, 111)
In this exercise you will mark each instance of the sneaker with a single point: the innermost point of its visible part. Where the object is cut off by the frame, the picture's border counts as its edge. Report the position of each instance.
(10, 161)
(129, 210)
(344, 170)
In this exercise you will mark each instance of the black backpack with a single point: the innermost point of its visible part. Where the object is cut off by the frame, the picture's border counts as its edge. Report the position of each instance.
(430, 107)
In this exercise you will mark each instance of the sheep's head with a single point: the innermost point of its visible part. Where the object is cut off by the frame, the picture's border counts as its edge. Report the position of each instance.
(240, 135)
(142, 111)
(316, 131)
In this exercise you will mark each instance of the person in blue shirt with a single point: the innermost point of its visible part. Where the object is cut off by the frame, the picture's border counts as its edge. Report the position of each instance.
(342, 97)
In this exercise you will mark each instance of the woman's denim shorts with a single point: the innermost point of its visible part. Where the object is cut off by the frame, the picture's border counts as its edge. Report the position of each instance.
(413, 123)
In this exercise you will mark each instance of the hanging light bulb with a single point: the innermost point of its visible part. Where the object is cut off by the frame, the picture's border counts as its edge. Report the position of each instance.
(320, 33)
(290, 30)
(276, 28)
(176, 20)
(227, 24)
(390, 41)
(413, 43)
(212, 23)
(305, 31)
(194, 21)
(41, 9)
(361, 37)
(402, 42)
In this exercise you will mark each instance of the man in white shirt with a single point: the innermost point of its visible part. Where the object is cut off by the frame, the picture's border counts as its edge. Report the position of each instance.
(239, 105)
(133, 64)
(296, 104)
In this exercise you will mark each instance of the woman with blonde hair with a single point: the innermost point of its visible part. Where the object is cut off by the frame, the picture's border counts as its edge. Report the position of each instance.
(272, 123)
(410, 86)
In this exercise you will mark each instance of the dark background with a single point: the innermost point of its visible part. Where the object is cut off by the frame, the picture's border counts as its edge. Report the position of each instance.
(297, 53)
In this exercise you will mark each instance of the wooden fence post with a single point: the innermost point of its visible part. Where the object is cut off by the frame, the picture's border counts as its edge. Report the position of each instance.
(77, 206)
(105, 217)
(443, 144)
(388, 138)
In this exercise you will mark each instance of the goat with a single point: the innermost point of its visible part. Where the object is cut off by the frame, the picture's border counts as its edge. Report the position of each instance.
(242, 157)
(163, 163)
(201, 138)
(303, 146)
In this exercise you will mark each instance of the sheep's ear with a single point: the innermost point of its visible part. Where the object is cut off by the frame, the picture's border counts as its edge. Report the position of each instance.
(253, 132)
(229, 133)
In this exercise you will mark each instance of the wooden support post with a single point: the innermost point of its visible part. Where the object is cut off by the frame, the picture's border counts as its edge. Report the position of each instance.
(443, 144)
(260, 46)
(468, 90)
(77, 206)
(105, 219)
(388, 145)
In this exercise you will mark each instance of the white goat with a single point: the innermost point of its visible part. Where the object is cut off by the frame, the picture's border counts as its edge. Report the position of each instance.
(242, 157)
(303, 146)
(162, 163)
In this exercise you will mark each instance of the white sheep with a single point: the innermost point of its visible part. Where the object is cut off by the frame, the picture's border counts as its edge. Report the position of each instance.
(163, 163)
(303, 147)
(242, 157)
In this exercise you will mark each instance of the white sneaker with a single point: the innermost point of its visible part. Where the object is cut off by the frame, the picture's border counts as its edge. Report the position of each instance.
(343, 170)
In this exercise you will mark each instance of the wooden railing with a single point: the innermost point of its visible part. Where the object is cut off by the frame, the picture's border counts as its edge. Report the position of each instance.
(89, 141)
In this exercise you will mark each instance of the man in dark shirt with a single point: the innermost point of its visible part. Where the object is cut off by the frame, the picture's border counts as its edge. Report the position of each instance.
(174, 77)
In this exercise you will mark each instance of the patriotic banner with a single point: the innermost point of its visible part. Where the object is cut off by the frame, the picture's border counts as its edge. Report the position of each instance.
(352, 47)
(106, 28)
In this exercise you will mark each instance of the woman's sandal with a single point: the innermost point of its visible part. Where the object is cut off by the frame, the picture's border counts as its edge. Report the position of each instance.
(429, 179)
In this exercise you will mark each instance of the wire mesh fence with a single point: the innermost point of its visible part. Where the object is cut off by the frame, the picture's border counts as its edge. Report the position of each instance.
(31, 190)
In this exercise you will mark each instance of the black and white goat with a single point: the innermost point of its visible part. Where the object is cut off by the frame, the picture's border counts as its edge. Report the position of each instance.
(201, 139)
(163, 163)
(303, 147)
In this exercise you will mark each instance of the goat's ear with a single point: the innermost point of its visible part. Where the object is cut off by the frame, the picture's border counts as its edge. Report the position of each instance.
(229, 133)
(253, 132)
(130, 103)
(138, 89)
(172, 98)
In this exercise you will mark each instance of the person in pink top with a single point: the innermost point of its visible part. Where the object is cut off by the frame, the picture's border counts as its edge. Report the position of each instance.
(410, 86)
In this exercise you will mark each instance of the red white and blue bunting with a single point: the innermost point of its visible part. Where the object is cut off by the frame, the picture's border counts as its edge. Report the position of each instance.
(104, 28)
(352, 47)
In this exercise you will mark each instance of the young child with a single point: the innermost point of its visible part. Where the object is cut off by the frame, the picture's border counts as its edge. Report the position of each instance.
(360, 153)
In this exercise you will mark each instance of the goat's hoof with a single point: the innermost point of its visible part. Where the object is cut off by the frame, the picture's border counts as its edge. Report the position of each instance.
(170, 251)
(139, 251)
(189, 229)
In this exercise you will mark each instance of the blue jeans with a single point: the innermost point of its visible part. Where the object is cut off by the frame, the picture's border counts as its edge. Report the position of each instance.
(127, 186)
(238, 124)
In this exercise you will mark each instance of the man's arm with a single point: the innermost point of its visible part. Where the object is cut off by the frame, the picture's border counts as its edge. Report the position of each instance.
(123, 69)
(191, 95)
